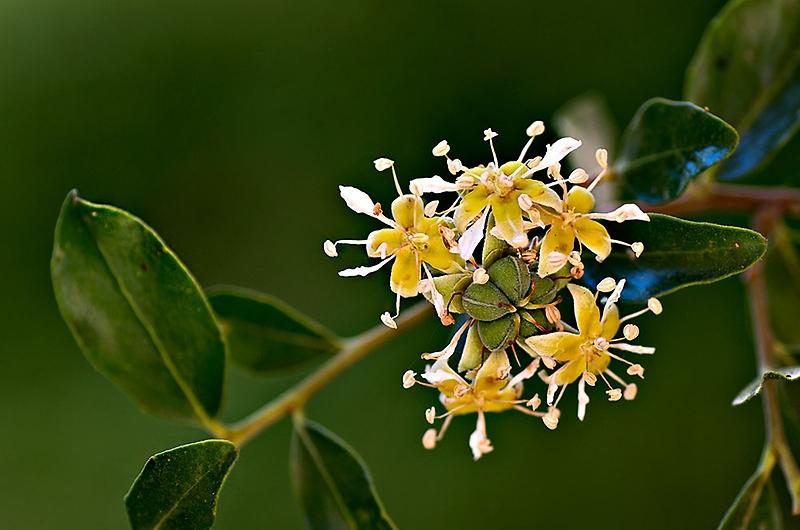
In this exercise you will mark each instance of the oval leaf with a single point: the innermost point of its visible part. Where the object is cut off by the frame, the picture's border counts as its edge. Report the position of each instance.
(755, 508)
(747, 70)
(666, 144)
(789, 373)
(136, 312)
(265, 335)
(178, 489)
(332, 483)
(677, 254)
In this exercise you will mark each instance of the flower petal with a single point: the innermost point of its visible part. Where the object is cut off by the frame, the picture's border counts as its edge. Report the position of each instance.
(472, 237)
(508, 220)
(434, 184)
(594, 236)
(559, 345)
(610, 321)
(471, 207)
(405, 273)
(392, 238)
(556, 152)
(493, 374)
(569, 372)
(357, 200)
(540, 193)
(363, 271)
(559, 238)
(587, 314)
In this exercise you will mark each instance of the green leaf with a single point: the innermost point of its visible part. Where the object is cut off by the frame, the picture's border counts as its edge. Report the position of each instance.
(747, 70)
(756, 507)
(178, 489)
(677, 254)
(666, 144)
(266, 335)
(136, 312)
(332, 483)
(789, 373)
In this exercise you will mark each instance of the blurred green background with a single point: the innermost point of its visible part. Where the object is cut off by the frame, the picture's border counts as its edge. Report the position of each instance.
(227, 126)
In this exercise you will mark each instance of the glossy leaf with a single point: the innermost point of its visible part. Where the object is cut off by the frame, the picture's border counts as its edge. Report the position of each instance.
(677, 254)
(332, 482)
(178, 489)
(266, 335)
(789, 373)
(136, 312)
(747, 70)
(755, 508)
(666, 144)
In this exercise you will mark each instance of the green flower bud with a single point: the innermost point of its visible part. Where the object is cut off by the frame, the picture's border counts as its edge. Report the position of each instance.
(472, 355)
(486, 302)
(499, 334)
(544, 290)
(512, 276)
(493, 248)
(533, 322)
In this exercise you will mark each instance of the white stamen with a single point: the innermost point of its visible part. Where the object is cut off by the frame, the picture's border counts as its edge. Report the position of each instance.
(525, 202)
(382, 164)
(615, 394)
(409, 378)
(480, 276)
(534, 402)
(430, 208)
(550, 419)
(630, 392)
(430, 415)
(557, 259)
(488, 134)
(636, 369)
(630, 331)
(441, 149)
(626, 212)
(535, 129)
(590, 378)
(454, 166)
(388, 321)
(607, 285)
(330, 248)
(654, 305)
(555, 153)
(578, 176)
(478, 441)
(601, 155)
(429, 439)
(637, 248)
(642, 350)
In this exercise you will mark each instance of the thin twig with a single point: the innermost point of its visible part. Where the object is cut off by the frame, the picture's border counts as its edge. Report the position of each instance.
(354, 350)
(730, 198)
(764, 221)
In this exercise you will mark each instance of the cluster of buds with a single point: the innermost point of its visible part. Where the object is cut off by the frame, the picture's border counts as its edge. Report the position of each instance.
(499, 260)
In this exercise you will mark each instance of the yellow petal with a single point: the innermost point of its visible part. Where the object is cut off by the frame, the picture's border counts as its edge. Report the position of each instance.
(539, 193)
(508, 219)
(610, 322)
(559, 238)
(471, 207)
(594, 236)
(393, 238)
(487, 380)
(559, 345)
(405, 273)
(587, 314)
(580, 200)
(406, 209)
(569, 372)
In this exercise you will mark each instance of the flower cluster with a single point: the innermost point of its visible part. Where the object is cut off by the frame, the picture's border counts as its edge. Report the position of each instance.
(532, 225)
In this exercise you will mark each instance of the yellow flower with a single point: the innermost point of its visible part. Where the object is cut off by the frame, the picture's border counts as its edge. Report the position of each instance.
(588, 353)
(413, 240)
(507, 190)
(492, 389)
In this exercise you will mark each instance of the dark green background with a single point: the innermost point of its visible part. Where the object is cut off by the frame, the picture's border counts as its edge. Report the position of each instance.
(227, 126)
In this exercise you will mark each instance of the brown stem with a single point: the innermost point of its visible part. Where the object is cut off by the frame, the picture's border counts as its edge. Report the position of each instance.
(764, 221)
(730, 198)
